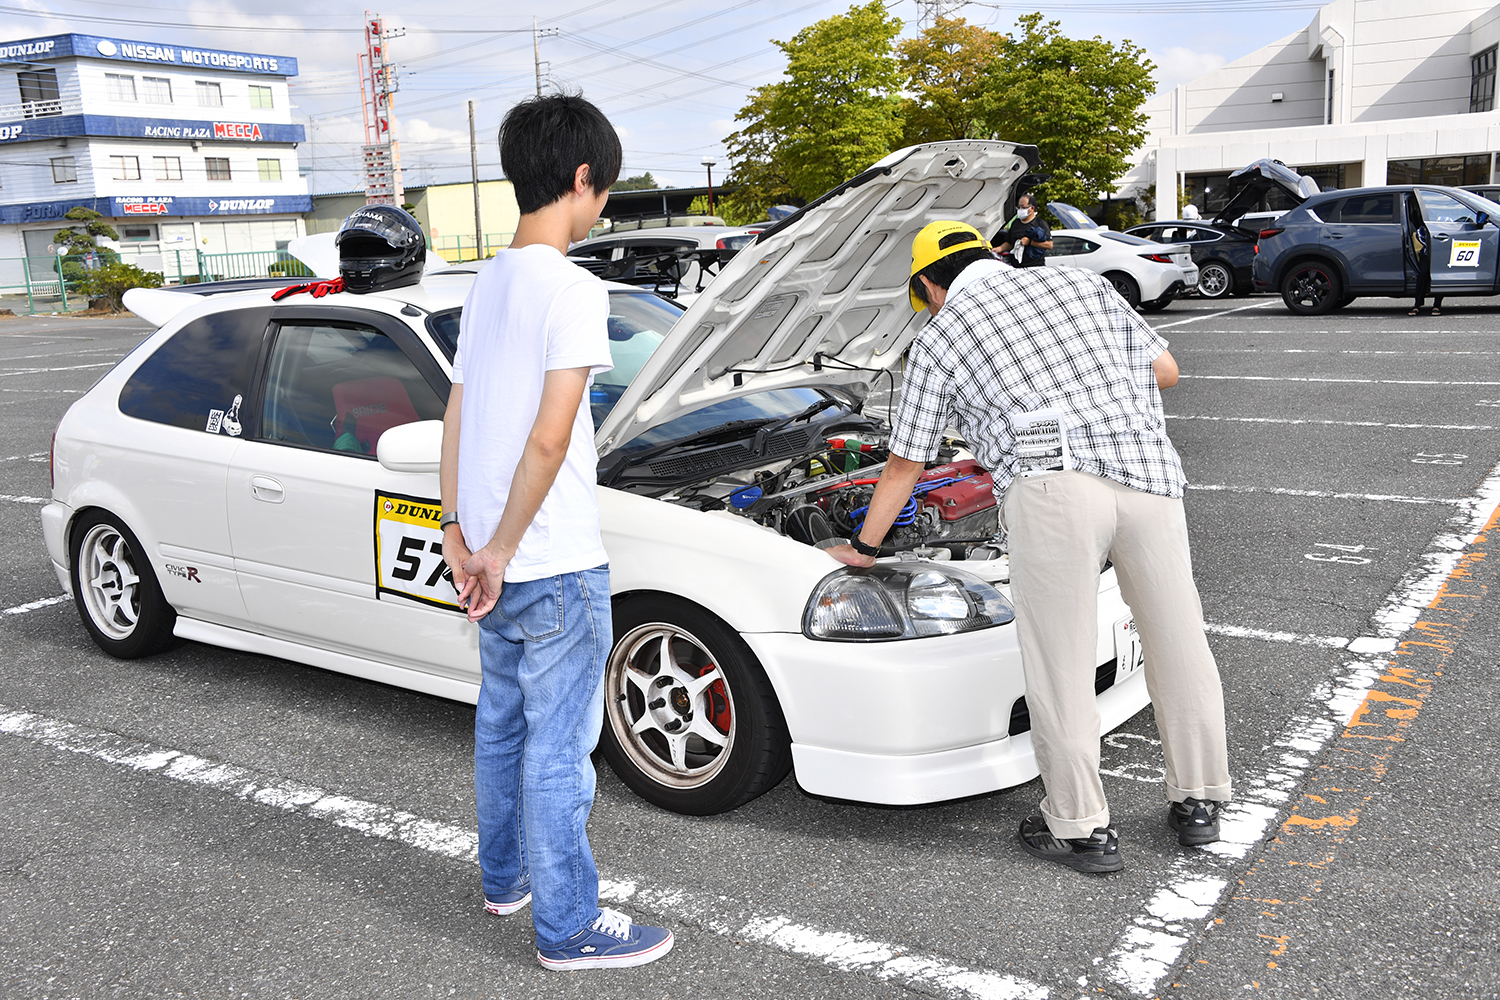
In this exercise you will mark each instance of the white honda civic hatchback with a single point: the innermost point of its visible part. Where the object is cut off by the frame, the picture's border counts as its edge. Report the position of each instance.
(262, 476)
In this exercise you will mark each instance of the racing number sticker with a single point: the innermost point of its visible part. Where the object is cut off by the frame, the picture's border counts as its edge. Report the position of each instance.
(409, 551)
(1465, 254)
(1128, 654)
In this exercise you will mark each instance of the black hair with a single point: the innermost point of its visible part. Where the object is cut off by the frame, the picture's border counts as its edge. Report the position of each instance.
(543, 142)
(942, 271)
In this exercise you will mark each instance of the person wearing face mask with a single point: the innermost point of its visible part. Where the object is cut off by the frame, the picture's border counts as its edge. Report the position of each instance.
(1054, 383)
(1029, 232)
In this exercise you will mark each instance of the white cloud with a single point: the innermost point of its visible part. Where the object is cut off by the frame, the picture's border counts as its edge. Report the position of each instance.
(1177, 65)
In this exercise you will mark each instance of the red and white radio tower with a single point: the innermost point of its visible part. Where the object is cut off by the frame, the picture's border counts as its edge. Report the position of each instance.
(377, 82)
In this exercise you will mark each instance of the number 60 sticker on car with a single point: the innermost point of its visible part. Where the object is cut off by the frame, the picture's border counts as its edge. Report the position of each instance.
(409, 551)
(1465, 254)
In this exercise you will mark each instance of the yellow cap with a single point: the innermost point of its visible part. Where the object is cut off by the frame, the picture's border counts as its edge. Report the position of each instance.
(925, 248)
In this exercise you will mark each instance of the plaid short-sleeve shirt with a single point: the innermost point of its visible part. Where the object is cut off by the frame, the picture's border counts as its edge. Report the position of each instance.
(1017, 340)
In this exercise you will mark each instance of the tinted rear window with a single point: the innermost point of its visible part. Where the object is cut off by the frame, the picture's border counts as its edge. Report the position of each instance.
(199, 372)
(1363, 208)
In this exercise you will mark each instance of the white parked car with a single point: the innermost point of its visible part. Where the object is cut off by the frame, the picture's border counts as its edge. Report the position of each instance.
(1146, 274)
(261, 476)
(676, 261)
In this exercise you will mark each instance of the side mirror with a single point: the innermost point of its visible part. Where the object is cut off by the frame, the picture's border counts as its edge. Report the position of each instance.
(1482, 220)
(414, 447)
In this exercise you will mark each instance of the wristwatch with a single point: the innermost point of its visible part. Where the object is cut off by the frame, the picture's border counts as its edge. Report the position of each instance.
(862, 548)
(449, 517)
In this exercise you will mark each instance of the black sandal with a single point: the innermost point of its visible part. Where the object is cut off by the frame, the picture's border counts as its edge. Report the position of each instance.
(1436, 311)
(1415, 311)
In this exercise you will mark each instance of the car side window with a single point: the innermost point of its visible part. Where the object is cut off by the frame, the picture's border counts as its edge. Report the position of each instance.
(1328, 211)
(1167, 234)
(1065, 246)
(1438, 207)
(201, 375)
(338, 387)
(599, 251)
(1369, 208)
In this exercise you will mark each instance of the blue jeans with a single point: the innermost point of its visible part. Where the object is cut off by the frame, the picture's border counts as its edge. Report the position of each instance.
(541, 702)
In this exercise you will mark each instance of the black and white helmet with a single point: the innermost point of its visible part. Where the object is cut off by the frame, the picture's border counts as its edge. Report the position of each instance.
(380, 246)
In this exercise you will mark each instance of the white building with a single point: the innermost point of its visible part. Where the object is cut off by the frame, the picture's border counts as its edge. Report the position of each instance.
(1370, 92)
(180, 148)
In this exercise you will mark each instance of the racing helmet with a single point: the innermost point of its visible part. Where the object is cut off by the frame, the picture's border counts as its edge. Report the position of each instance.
(380, 246)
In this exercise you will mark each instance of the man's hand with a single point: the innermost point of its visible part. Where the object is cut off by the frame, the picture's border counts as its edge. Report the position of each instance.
(486, 570)
(846, 555)
(455, 554)
(1025, 241)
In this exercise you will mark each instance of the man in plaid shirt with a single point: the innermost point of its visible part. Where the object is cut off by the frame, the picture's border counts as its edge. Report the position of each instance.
(1053, 381)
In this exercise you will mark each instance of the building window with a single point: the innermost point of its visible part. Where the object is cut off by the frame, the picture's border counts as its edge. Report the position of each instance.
(1452, 171)
(1482, 81)
(119, 86)
(218, 167)
(168, 168)
(1331, 92)
(270, 170)
(209, 94)
(156, 89)
(64, 170)
(126, 168)
(39, 95)
(260, 97)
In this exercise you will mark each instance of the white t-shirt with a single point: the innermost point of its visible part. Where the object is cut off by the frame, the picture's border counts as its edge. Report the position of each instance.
(530, 311)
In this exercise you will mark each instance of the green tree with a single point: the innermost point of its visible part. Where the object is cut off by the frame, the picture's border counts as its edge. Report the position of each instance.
(836, 111)
(640, 182)
(113, 278)
(1077, 99)
(947, 68)
(82, 238)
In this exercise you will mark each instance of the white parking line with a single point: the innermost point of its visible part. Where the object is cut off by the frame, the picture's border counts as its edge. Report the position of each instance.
(1336, 423)
(1215, 315)
(1308, 350)
(837, 949)
(1174, 915)
(66, 368)
(1296, 638)
(1353, 381)
(1323, 494)
(34, 456)
(46, 602)
(18, 499)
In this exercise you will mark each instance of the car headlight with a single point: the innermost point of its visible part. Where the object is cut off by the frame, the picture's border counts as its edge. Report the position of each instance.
(903, 601)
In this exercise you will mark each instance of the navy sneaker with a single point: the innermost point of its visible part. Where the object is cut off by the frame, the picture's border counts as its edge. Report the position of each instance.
(508, 902)
(1195, 821)
(612, 941)
(1098, 852)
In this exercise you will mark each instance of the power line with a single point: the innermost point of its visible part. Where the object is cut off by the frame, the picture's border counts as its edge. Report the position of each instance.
(280, 30)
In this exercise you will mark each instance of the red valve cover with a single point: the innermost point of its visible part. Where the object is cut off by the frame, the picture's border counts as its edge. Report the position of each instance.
(960, 499)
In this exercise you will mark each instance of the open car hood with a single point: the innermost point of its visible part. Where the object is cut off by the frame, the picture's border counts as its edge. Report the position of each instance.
(1249, 184)
(819, 298)
(1070, 217)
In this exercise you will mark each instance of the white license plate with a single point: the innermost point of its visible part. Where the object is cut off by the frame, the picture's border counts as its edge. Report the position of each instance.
(1128, 655)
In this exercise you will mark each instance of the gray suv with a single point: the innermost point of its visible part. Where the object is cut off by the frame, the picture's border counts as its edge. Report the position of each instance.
(1338, 245)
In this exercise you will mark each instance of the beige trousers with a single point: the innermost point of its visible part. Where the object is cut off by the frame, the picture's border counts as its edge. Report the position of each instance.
(1061, 526)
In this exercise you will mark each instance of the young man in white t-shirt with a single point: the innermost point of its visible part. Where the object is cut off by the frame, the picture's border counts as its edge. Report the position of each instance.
(521, 534)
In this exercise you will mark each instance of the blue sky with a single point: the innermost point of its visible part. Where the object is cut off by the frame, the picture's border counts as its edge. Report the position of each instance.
(671, 74)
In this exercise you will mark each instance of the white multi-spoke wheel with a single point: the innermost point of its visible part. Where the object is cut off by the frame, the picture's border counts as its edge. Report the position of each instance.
(1215, 280)
(115, 590)
(691, 723)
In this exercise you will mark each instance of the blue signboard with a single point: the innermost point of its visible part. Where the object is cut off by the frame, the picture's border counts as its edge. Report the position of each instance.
(150, 128)
(151, 53)
(137, 206)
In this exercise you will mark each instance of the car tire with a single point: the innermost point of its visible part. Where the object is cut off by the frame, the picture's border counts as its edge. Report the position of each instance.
(1126, 286)
(1157, 305)
(1311, 288)
(1215, 280)
(1344, 300)
(687, 746)
(115, 589)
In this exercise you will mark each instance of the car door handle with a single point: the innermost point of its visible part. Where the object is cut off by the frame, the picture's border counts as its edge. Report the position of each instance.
(1442, 236)
(267, 489)
(1335, 236)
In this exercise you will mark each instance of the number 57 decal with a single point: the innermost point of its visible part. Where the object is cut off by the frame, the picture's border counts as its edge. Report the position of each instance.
(409, 551)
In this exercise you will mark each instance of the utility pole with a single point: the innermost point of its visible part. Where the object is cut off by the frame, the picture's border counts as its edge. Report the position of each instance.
(479, 247)
(377, 83)
(536, 49)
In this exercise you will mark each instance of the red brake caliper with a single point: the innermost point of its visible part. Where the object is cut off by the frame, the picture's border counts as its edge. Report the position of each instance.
(718, 703)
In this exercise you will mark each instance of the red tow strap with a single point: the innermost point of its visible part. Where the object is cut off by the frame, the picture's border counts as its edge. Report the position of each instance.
(317, 289)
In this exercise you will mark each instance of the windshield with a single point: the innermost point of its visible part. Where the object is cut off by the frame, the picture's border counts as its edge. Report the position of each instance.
(756, 406)
(638, 322)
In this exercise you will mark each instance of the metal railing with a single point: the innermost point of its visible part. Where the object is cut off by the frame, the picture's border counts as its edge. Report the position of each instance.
(39, 109)
(250, 264)
(456, 249)
(36, 284)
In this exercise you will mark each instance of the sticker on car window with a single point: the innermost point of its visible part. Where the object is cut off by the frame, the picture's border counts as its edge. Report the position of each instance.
(1465, 254)
(409, 551)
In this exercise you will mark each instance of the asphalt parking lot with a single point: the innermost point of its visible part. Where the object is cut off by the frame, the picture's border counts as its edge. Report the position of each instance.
(207, 823)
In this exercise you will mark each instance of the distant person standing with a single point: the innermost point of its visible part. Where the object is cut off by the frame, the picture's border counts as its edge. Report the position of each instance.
(1419, 252)
(1030, 233)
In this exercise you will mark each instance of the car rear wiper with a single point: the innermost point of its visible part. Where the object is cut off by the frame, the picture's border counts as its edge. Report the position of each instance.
(718, 430)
